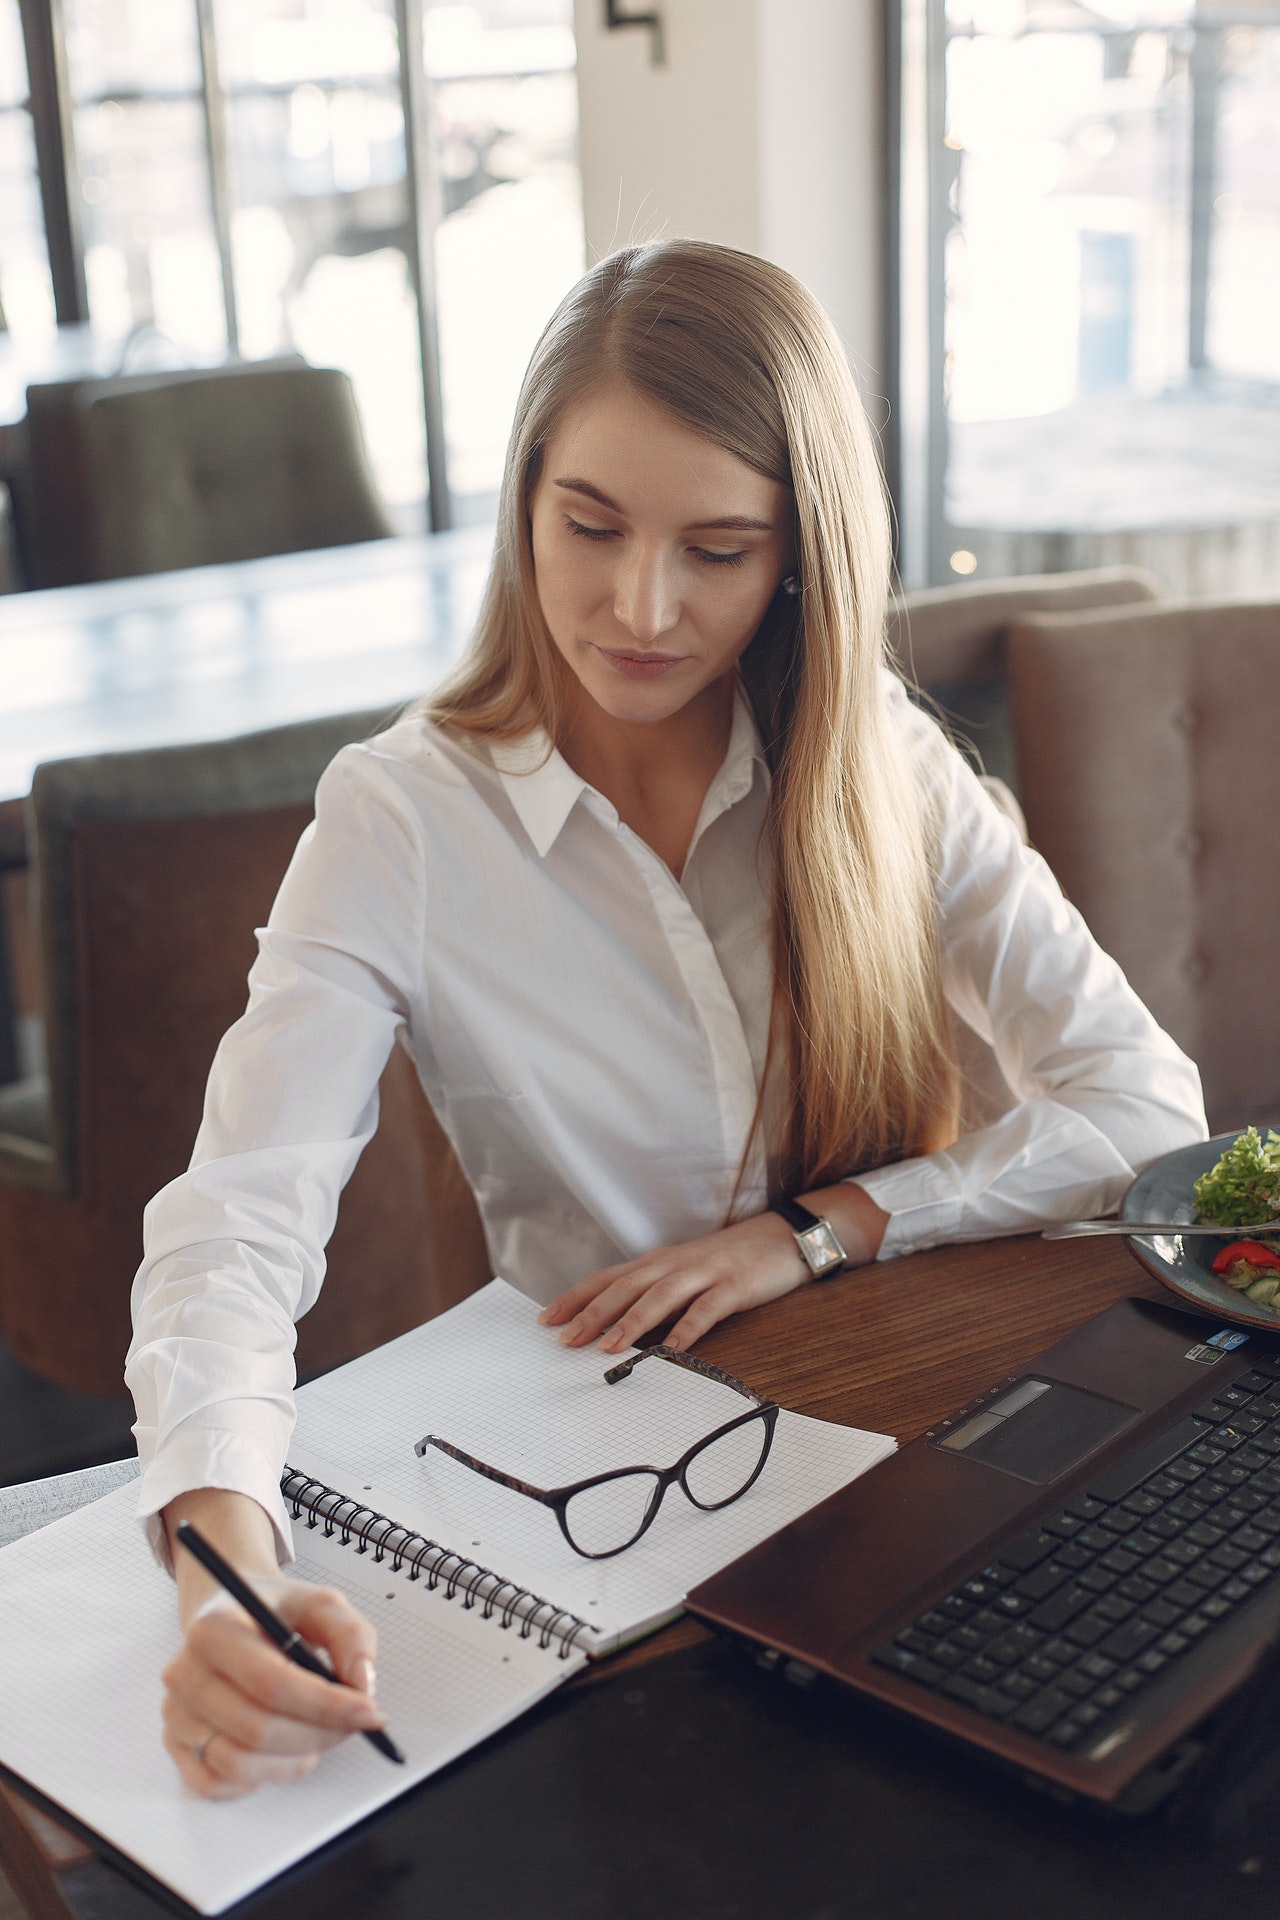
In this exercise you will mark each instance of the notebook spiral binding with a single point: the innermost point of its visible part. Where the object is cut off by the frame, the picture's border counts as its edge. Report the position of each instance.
(447, 1572)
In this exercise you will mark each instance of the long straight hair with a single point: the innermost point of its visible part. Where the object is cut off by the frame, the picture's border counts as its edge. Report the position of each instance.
(740, 352)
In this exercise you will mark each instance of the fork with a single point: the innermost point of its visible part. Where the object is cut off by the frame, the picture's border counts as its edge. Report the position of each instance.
(1131, 1229)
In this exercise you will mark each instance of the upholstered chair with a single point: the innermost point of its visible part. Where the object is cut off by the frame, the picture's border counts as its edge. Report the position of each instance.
(153, 870)
(1150, 775)
(143, 473)
(950, 643)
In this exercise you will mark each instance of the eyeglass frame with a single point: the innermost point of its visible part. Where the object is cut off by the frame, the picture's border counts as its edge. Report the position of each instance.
(558, 1498)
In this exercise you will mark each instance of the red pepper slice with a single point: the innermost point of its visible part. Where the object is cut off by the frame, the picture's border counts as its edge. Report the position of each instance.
(1251, 1251)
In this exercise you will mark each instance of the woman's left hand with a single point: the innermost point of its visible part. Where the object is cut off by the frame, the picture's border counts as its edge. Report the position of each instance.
(705, 1280)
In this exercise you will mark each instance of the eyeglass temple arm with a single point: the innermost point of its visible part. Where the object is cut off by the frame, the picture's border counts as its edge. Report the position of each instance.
(689, 1360)
(479, 1466)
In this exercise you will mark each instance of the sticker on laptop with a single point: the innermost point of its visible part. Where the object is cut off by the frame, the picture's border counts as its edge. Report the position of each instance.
(1210, 1351)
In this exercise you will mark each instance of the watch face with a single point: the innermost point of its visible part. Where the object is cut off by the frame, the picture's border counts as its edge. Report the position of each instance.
(821, 1248)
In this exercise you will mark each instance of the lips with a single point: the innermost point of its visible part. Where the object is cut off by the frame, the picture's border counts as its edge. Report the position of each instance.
(641, 666)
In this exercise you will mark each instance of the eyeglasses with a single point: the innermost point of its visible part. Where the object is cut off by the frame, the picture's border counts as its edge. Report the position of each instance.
(608, 1513)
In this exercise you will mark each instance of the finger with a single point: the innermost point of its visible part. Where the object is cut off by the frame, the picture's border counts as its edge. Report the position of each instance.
(217, 1769)
(212, 1703)
(654, 1306)
(237, 1652)
(716, 1304)
(573, 1299)
(327, 1619)
(608, 1307)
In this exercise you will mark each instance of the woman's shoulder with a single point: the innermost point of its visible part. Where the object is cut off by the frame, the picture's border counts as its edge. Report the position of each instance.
(411, 762)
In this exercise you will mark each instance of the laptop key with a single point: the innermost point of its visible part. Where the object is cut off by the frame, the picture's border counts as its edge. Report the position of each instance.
(1114, 1609)
(1129, 1639)
(1053, 1614)
(1077, 1684)
(986, 1700)
(1087, 1507)
(1064, 1525)
(1028, 1552)
(1042, 1671)
(1045, 1580)
(1097, 1666)
(912, 1666)
(914, 1641)
(1088, 1630)
(1163, 1612)
(1019, 1685)
(934, 1622)
(1039, 1714)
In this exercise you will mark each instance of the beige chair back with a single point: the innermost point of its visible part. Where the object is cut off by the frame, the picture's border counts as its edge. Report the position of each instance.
(1148, 746)
(949, 641)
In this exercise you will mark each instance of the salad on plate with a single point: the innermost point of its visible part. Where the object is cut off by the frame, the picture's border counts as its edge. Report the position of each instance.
(1243, 1190)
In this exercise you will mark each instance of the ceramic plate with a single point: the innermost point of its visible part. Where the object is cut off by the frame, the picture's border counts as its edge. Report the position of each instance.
(1166, 1192)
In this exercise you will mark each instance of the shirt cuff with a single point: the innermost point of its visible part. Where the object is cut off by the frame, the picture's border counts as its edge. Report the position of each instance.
(924, 1202)
(230, 1461)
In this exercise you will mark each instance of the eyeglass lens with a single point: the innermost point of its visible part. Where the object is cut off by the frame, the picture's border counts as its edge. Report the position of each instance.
(719, 1471)
(604, 1518)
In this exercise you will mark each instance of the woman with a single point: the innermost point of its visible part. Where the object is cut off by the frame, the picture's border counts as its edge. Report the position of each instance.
(687, 915)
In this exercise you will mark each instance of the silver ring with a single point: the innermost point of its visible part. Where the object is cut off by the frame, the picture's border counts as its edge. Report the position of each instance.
(200, 1751)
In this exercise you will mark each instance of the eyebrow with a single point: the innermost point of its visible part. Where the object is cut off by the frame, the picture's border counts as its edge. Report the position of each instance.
(730, 522)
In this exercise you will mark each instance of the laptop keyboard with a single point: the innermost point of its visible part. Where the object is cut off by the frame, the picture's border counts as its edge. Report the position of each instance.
(1093, 1604)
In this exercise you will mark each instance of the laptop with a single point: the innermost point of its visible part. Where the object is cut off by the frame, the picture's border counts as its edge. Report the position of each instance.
(1070, 1574)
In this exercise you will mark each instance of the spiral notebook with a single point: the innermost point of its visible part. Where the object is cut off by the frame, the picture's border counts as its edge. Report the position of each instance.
(480, 1605)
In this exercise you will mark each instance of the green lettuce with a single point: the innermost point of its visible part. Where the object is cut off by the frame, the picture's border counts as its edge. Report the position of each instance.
(1243, 1189)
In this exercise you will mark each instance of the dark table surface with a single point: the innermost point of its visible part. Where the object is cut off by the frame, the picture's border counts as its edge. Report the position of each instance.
(680, 1780)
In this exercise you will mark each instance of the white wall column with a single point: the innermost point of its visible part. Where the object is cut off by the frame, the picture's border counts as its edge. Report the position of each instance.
(762, 131)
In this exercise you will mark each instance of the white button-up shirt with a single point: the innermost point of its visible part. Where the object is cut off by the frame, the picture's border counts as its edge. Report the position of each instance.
(591, 1032)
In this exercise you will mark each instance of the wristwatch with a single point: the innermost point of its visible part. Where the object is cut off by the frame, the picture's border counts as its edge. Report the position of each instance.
(816, 1238)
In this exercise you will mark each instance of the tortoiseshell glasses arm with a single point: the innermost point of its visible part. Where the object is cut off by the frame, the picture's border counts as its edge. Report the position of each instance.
(689, 1360)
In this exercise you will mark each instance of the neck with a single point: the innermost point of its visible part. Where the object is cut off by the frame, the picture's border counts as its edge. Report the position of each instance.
(655, 773)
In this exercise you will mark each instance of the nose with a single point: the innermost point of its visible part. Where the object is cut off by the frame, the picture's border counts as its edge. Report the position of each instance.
(646, 599)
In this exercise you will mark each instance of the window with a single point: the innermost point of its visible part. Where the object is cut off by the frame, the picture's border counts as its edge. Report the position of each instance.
(1090, 366)
(243, 180)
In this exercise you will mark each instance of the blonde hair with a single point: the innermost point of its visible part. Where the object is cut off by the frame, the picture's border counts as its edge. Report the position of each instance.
(740, 352)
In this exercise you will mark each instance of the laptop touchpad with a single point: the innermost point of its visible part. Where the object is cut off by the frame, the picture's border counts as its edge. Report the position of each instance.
(1038, 1429)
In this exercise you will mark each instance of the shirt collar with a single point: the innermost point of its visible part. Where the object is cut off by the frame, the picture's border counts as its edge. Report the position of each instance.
(544, 789)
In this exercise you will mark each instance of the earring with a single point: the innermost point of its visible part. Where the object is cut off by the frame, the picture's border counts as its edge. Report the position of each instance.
(791, 583)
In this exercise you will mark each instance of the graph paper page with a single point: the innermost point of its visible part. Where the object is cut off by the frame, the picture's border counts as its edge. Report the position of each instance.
(488, 1378)
(87, 1623)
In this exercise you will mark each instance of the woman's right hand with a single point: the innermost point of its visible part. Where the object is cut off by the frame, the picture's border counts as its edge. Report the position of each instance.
(237, 1713)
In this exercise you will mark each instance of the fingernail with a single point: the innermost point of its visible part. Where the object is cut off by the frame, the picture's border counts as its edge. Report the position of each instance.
(367, 1675)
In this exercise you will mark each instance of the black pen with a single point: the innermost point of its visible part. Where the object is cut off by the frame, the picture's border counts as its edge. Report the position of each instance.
(288, 1639)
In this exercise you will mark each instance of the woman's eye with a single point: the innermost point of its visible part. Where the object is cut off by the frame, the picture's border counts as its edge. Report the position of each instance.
(589, 533)
(720, 559)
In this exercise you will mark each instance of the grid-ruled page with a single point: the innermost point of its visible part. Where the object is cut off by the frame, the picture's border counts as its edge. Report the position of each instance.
(87, 1623)
(488, 1378)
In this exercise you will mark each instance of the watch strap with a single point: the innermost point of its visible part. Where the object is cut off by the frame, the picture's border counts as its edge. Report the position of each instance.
(798, 1218)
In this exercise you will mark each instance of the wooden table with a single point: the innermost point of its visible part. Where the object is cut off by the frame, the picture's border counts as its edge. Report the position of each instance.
(891, 1348)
